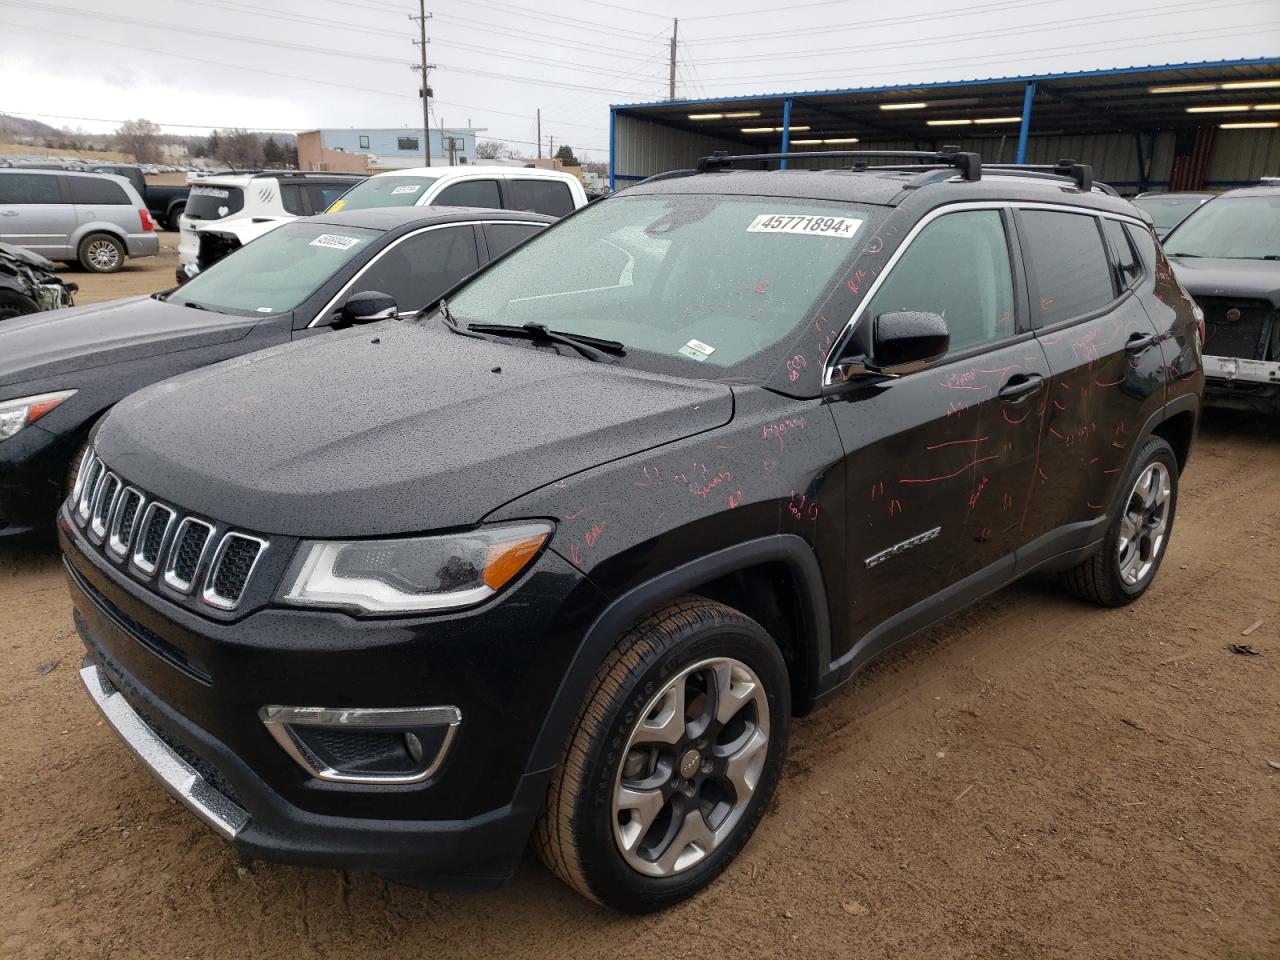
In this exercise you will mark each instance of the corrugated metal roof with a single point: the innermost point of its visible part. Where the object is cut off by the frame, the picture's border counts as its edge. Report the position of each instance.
(1174, 69)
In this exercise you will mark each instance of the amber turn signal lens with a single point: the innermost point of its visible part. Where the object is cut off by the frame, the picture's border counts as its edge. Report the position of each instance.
(508, 558)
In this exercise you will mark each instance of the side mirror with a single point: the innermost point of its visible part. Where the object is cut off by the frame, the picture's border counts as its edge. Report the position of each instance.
(907, 341)
(367, 306)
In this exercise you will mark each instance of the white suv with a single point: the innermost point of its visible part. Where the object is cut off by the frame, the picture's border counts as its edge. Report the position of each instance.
(270, 195)
(493, 187)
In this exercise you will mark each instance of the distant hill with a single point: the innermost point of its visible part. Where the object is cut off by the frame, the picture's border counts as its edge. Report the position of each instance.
(23, 127)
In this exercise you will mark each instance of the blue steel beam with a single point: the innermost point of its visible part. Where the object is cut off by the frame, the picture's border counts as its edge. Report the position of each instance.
(786, 129)
(1025, 129)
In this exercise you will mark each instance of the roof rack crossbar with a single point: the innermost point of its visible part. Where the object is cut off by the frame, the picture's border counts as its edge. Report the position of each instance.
(969, 164)
(1081, 173)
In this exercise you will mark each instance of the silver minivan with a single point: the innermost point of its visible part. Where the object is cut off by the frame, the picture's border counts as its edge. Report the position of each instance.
(94, 219)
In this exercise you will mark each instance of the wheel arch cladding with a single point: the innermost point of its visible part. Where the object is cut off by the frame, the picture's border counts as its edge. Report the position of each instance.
(1178, 430)
(781, 568)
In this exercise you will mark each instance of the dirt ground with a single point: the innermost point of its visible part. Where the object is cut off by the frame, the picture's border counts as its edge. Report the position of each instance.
(1032, 778)
(145, 275)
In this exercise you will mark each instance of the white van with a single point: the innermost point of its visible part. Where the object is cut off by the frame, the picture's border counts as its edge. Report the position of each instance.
(280, 194)
(493, 187)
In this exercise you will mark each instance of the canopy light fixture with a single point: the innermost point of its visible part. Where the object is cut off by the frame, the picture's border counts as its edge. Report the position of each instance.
(736, 115)
(918, 105)
(1255, 125)
(810, 143)
(949, 123)
(770, 129)
(998, 120)
(1222, 108)
(1206, 87)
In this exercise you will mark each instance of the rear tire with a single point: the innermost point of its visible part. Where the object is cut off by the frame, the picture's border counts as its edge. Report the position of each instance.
(171, 221)
(101, 253)
(1138, 536)
(673, 761)
(14, 304)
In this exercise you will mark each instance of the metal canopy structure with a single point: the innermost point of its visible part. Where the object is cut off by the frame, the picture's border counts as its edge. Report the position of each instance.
(1188, 102)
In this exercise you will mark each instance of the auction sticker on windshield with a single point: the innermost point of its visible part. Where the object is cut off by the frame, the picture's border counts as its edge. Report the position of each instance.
(406, 188)
(335, 241)
(812, 226)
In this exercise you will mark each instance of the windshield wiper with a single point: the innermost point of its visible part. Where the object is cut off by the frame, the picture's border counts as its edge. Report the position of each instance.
(193, 305)
(593, 348)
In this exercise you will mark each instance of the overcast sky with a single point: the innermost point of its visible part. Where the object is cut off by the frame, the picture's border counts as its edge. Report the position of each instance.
(302, 64)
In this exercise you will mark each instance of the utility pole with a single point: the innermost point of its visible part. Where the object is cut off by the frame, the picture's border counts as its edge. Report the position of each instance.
(425, 91)
(539, 133)
(671, 79)
(551, 148)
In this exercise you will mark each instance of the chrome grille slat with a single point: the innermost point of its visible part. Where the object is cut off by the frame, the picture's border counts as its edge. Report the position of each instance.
(165, 547)
(187, 551)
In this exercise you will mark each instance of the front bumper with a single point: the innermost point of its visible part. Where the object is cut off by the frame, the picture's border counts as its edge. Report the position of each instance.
(33, 466)
(1242, 370)
(464, 828)
(1242, 384)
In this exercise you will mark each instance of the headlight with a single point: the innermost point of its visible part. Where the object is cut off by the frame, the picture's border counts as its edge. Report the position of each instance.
(16, 414)
(412, 575)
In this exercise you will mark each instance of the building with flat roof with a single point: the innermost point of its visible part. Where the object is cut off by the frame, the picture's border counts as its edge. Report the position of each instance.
(358, 150)
(1189, 126)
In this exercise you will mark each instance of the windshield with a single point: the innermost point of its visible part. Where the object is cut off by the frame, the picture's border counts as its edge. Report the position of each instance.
(706, 283)
(277, 271)
(1245, 228)
(1167, 212)
(383, 192)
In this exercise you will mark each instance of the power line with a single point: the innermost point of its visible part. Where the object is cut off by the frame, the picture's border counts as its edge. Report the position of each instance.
(508, 10)
(534, 80)
(638, 13)
(294, 18)
(964, 12)
(525, 35)
(1135, 14)
(53, 8)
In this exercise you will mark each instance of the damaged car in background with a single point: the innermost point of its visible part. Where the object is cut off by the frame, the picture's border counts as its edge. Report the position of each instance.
(1227, 256)
(28, 283)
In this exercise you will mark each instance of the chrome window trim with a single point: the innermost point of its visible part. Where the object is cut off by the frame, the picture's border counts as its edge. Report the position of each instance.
(278, 719)
(170, 578)
(399, 240)
(208, 594)
(116, 549)
(100, 515)
(841, 341)
(136, 560)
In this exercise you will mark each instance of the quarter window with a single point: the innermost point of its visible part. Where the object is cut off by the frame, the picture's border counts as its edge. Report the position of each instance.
(1128, 269)
(470, 193)
(1068, 264)
(96, 190)
(28, 188)
(958, 268)
(503, 236)
(541, 196)
(420, 269)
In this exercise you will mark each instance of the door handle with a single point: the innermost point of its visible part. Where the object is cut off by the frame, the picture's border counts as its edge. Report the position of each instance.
(8, 213)
(1020, 386)
(1139, 342)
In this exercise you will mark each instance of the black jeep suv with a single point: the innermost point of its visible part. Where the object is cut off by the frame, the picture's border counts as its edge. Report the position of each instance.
(566, 556)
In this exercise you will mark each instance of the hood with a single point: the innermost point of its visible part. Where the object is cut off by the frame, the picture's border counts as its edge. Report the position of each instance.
(28, 257)
(60, 342)
(1251, 279)
(388, 429)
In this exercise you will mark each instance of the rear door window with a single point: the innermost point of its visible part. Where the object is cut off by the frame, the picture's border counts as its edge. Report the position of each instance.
(503, 236)
(1067, 263)
(470, 193)
(541, 196)
(96, 190)
(29, 188)
(212, 202)
(1128, 269)
(418, 270)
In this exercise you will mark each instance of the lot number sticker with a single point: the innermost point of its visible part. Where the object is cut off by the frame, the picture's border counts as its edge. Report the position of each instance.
(844, 227)
(335, 241)
(211, 192)
(406, 188)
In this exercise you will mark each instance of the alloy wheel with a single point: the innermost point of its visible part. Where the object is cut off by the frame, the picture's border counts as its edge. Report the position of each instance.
(691, 767)
(103, 254)
(1144, 523)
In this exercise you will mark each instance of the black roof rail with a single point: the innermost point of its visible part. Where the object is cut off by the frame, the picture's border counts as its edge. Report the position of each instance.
(1080, 173)
(300, 173)
(969, 164)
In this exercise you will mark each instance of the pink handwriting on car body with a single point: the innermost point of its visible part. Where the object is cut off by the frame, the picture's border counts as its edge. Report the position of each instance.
(802, 508)
(795, 365)
(779, 430)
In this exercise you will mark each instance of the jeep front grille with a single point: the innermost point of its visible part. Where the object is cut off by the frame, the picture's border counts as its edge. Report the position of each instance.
(161, 545)
(1236, 327)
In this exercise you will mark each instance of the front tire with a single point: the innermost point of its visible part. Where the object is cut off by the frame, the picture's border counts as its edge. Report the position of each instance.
(674, 759)
(1138, 536)
(101, 253)
(14, 304)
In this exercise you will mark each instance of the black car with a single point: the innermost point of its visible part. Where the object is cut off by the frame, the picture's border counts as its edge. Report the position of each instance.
(28, 283)
(165, 202)
(306, 277)
(1227, 254)
(564, 559)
